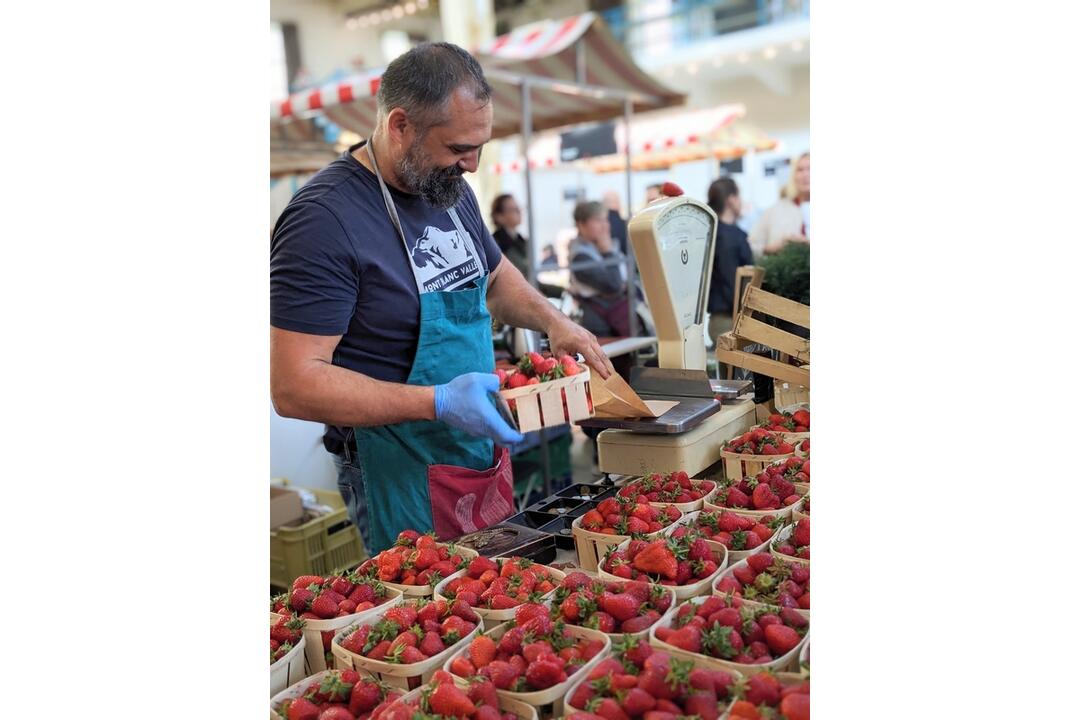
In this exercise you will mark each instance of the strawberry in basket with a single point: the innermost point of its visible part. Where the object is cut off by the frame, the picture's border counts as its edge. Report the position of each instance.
(610, 607)
(737, 532)
(626, 517)
(804, 447)
(500, 584)
(765, 698)
(768, 490)
(806, 505)
(533, 369)
(759, 441)
(441, 698)
(768, 579)
(725, 628)
(798, 421)
(681, 559)
(536, 654)
(414, 560)
(340, 694)
(412, 632)
(318, 597)
(798, 543)
(285, 633)
(676, 487)
(641, 681)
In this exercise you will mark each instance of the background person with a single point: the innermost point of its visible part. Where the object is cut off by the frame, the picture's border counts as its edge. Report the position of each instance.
(789, 219)
(600, 288)
(506, 216)
(613, 202)
(732, 251)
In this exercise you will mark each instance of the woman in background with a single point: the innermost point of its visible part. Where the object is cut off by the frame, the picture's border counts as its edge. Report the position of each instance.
(506, 215)
(789, 219)
(732, 251)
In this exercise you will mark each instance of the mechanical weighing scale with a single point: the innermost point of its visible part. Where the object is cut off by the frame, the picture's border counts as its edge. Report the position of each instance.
(674, 242)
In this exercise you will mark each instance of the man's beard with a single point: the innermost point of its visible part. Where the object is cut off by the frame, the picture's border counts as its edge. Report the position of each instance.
(440, 188)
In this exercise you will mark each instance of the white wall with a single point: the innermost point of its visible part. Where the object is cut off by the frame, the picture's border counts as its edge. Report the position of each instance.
(326, 44)
(297, 453)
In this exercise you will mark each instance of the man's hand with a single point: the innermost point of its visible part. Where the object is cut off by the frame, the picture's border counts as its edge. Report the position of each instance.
(604, 244)
(465, 403)
(567, 337)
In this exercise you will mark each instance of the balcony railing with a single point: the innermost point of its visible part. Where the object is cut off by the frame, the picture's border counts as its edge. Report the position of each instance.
(685, 22)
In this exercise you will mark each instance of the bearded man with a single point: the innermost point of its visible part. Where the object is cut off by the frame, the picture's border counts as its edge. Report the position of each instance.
(383, 281)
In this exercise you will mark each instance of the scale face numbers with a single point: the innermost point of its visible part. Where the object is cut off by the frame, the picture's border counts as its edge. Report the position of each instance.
(684, 233)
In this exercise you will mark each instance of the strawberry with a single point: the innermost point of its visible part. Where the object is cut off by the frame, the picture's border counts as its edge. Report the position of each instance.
(622, 607)
(482, 651)
(448, 700)
(670, 189)
(300, 599)
(462, 667)
(759, 562)
(641, 622)
(801, 535)
(305, 581)
(544, 674)
(325, 606)
(687, 638)
(607, 708)
(502, 674)
(781, 639)
(762, 689)
(364, 697)
(656, 558)
(795, 706)
(637, 702)
(516, 380)
(432, 644)
(302, 709)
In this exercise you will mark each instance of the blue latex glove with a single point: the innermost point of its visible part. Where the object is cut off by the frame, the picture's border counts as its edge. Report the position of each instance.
(465, 403)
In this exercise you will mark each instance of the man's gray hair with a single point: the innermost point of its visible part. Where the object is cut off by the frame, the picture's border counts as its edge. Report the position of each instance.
(422, 81)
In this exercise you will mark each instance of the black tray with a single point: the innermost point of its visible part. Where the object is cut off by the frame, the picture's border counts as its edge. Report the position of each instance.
(530, 519)
(562, 507)
(593, 493)
(561, 529)
(511, 539)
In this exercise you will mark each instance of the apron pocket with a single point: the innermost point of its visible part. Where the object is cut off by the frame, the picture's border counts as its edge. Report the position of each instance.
(464, 500)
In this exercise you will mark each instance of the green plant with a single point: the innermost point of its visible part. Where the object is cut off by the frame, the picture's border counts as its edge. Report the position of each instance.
(787, 273)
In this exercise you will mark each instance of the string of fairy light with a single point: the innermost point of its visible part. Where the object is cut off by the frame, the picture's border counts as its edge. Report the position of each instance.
(385, 14)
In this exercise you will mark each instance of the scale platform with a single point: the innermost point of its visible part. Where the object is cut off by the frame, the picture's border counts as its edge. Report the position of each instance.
(688, 414)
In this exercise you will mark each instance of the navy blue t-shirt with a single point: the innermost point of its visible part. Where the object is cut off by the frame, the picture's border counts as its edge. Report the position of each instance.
(732, 252)
(338, 266)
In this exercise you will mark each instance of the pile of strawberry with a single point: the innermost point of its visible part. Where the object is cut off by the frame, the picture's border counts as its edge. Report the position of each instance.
(642, 682)
(676, 487)
(412, 632)
(798, 421)
(533, 369)
(500, 584)
(725, 628)
(768, 490)
(759, 441)
(318, 597)
(804, 447)
(535, 654)
(610, 607)
(415, 559)
(764, 698)
(339, 695)
(768, 579)
(441, 698)
(285, 634)
(683, 558)
(623, 516)
(798, 543)
(737, 532)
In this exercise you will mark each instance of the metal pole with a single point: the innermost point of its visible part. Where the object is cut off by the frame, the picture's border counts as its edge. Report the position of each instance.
(579, 47)
(631, 266)
(526, 138)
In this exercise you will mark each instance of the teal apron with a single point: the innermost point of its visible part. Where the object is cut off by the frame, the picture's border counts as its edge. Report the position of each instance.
(427, 475)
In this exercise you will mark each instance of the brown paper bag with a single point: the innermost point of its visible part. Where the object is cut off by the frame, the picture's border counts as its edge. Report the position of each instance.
(614, 398)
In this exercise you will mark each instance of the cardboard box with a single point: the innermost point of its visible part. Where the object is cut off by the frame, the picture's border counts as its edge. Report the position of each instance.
(285, 507)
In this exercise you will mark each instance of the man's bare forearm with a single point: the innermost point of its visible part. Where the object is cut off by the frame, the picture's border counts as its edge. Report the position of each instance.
(512, 300)
(334, 395)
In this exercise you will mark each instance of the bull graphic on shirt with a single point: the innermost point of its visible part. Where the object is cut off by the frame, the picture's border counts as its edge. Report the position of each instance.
(438, 248)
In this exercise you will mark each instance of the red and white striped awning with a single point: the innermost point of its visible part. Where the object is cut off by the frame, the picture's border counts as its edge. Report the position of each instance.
(547, 50)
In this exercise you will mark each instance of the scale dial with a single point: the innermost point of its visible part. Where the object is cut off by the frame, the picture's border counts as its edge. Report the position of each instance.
(684, 236)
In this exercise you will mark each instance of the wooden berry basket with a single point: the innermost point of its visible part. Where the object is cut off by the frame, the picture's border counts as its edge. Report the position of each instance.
(780, 664)
(592, 546)
(395, 675)
(751, 603)
(733, 556)
(684, 507)
(740, 465)
(524, 711)
(570, 709)
(784, 534)
(804, 657)
(313, 629)
(415, 591)
(289, 669)
(555, 694)
(296, 690)
(491, 618)
(784, 512)
(682, 592)
(540, 406)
